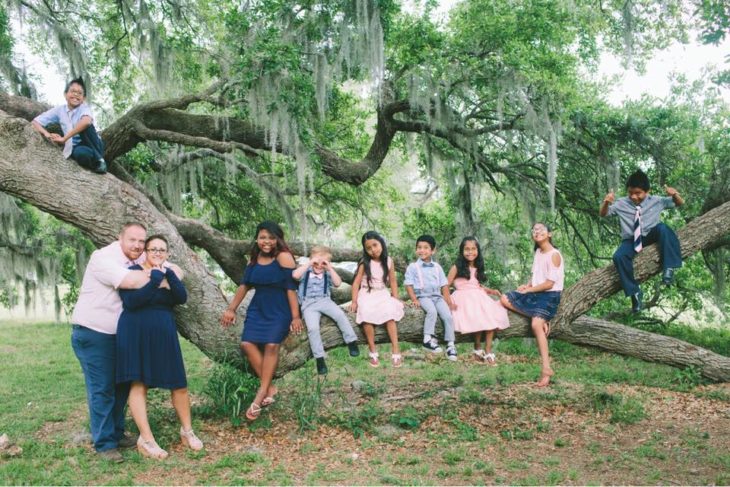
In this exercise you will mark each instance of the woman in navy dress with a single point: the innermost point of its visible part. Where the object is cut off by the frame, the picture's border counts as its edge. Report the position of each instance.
(273, 311)
(148, 349)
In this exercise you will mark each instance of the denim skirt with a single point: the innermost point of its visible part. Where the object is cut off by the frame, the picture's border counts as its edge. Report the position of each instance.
(542, 305)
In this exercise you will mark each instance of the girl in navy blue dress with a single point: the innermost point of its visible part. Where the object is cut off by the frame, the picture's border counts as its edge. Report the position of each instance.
(273, 311)
(148, 349)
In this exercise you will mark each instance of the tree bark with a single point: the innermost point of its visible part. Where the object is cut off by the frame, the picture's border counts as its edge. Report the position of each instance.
(34, 170)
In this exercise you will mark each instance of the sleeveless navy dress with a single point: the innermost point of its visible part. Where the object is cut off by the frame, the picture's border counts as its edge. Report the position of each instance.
(268, 316)
(148, 349)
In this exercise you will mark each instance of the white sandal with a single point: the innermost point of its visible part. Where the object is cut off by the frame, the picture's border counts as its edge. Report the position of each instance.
(479, 356)
(150, 449)
(374, 362)
(490, 359)
(190, 440)
(397, 359)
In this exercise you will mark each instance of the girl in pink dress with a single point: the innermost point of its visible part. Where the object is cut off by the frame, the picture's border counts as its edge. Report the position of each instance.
(371, 299)
(475, 311)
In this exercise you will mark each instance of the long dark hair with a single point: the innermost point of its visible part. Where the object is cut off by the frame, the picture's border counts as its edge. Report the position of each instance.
(365, 259)
(462, 265)
(274, 229)
(549, 231)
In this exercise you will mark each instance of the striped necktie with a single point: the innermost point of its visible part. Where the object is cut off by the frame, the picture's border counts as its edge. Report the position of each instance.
(637, 230)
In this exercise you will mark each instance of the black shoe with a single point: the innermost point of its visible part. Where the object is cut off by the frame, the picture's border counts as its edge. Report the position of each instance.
(101, 167)
(127, 441)
(112, 455)
(321, 366)
(636, 302)
(668, 276)
(354, 349)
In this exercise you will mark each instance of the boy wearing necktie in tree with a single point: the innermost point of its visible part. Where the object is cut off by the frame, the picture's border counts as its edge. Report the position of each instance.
(638, 215)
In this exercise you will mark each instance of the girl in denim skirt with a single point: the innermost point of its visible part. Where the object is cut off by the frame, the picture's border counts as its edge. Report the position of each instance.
(539, 298)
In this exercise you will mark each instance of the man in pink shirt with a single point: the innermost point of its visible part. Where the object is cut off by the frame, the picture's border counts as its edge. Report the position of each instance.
(93, 338)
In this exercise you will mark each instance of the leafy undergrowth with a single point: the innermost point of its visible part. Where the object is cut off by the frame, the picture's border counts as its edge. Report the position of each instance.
(605, 420)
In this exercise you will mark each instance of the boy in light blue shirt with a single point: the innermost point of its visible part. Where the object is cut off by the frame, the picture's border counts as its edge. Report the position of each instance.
(80, 140)
(428, 289)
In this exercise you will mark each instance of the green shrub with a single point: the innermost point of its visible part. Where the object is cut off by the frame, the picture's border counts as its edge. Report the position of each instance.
(358, 420)
(623, 410)
(230, 390)
(407, 418)
(306, 401)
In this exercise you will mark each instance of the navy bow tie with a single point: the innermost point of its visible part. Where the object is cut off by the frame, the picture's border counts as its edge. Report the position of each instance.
(427, 264)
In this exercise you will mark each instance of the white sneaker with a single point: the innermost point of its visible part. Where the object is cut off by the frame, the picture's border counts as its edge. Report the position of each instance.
(451, 353)
(432, 346)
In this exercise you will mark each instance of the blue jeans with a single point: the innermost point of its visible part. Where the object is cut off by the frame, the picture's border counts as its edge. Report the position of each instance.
(91, 148)
(669, 253)
(97, 354)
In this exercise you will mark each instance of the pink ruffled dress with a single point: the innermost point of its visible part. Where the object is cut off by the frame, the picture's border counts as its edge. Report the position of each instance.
(375, 305)
(476, 310)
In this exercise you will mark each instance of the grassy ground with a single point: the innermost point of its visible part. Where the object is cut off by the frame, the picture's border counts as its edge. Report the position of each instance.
(606, 420)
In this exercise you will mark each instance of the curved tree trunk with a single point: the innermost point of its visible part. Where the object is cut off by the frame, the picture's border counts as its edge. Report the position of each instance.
(33, 170)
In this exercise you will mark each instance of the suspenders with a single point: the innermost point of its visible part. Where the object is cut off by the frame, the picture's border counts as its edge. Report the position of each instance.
(306, 282)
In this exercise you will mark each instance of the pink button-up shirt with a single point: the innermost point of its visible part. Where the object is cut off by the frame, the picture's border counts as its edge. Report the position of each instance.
(99, 305)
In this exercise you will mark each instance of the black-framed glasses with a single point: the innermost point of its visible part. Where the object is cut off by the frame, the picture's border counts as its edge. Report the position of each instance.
(156, 251)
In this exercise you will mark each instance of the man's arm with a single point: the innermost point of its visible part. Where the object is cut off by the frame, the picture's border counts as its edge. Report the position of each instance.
(134, 280)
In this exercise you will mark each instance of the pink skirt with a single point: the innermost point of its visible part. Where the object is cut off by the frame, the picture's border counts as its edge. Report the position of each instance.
(476, 311)
(377, 307)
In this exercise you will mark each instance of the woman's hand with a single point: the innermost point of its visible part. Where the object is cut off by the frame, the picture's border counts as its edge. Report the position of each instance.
(353, 307)
(296, 325)
(228, 318)
(523, 288)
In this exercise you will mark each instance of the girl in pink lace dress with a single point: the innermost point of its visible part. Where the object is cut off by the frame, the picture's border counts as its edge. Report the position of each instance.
(375, 296)
(476, 312)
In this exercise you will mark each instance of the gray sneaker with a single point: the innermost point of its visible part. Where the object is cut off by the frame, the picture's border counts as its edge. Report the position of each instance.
(111, 455)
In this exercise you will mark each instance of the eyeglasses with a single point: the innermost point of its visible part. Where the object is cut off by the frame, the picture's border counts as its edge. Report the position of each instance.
(156, 251)
(76, 92)
(539, 230)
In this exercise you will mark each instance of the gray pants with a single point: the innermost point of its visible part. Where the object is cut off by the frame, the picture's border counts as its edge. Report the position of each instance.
(435, 306)
(312, 311)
